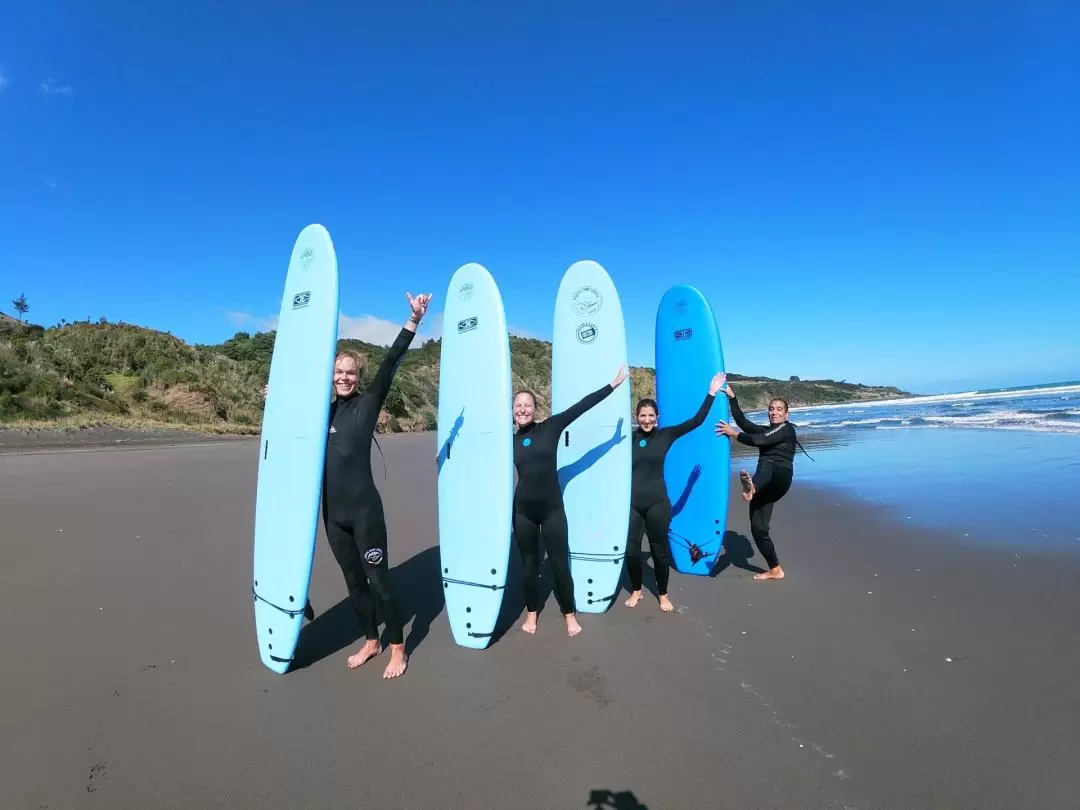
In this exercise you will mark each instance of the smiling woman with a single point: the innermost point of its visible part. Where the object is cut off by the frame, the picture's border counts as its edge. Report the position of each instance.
(348, 369)
(352, 508)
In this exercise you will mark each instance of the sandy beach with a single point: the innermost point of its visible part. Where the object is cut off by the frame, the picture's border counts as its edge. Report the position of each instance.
(896, 666)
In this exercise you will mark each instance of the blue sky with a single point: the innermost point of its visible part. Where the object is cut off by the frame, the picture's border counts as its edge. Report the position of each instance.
(865, 191)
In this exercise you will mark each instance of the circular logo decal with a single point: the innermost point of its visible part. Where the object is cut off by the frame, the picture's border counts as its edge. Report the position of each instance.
(306, 257)
(641, 443)
(465, 292)
(586, 333)
(527, 442)
(586, 301)
(680, 307)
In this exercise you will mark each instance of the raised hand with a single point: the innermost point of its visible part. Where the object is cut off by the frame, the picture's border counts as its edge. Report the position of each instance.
(418, 305)
(619, 378)
(717, 383)
(724, 387)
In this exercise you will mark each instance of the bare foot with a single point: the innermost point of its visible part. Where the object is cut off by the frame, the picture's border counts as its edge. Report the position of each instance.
(772, 573)
(398, 661)
(572, 626)
(371, 648)
(665, 604)
(747, 485)
(635, 597)
(530, 623)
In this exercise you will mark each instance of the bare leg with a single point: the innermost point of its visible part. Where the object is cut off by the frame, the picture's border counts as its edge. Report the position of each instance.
(399, 661)
(572, 626)
(772, 573)
(371, 648)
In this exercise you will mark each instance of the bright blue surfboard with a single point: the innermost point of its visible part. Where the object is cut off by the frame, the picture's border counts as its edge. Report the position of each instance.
(697, 471)
(475, 455)
(588, 349)
(293, 445)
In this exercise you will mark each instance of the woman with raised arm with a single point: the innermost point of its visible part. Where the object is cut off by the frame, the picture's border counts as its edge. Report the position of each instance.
(538, 501)
(650, 507)
(776, 446)
(352, 508)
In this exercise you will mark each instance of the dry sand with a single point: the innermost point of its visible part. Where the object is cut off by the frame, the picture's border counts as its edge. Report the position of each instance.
(893, 668)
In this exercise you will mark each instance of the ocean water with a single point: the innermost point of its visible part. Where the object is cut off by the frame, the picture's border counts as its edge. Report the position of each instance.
(999, 466)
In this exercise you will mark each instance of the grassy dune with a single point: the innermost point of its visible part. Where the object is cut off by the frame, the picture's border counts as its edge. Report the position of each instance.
(87, 374)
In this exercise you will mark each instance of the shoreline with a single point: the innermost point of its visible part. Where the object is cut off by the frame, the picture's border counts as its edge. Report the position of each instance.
(17, 440)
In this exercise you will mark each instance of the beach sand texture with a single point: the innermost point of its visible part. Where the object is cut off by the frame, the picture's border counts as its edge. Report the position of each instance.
(895, 667)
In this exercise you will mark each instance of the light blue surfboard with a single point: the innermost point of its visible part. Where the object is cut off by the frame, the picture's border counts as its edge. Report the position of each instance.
(588, 348)
(293, 445)
(475, 455)
(697, 472)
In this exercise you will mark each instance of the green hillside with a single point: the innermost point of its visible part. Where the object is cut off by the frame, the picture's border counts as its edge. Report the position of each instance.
(87, 373)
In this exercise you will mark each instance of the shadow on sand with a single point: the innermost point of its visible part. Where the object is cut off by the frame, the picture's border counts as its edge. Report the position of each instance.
(737, 552)
(610, 800)
(418, 589)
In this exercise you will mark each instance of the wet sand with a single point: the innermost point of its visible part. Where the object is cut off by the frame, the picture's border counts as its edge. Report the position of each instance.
(895, 667)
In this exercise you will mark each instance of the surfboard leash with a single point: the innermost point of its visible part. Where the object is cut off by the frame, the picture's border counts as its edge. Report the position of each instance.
(292, 614)
(696, 554)
(579, 555)
(376, 440)
(451, 581)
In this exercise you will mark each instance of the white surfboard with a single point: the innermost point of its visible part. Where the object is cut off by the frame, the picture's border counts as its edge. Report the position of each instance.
(475, 455)
(589, 347)
(293, 446)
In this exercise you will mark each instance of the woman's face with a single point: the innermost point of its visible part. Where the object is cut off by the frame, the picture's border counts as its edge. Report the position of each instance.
(524, 409)
(646, 418)
(777, 412)
(346, 377)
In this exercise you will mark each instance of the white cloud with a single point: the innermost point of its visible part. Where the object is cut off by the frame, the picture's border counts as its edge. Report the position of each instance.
(246, 319)
(517, 331)
(51, 87)
(367, 328)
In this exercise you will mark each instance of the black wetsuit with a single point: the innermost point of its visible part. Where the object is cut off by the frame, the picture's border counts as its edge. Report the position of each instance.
(352, 509)
(650, 507)
(776, 462)
(538, 502)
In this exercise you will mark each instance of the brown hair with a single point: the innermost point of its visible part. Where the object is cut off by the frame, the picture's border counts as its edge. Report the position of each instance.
(782, 401)
(646, 403)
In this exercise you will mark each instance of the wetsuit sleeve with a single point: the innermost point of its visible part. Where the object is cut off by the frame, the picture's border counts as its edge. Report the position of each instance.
(563, 419)
(767, 437)
(695, 421)
(745, 425)
(380, 386)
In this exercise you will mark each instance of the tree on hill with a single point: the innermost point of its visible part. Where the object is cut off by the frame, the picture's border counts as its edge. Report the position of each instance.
(21, 306)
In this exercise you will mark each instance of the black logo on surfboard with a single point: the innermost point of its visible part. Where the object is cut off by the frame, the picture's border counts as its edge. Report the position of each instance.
(586, 333)
(301, 300)
(684, 334)
(467, 325)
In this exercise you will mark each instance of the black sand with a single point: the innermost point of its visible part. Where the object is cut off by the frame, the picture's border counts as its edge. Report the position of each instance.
(893, 668)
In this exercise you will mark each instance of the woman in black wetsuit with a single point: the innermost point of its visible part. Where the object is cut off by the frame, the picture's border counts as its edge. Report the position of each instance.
(352, 509)
(776, 446)
(538, 501)
(650, 507)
